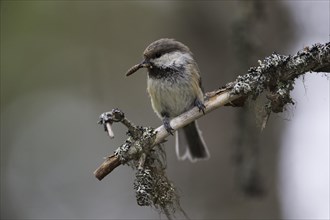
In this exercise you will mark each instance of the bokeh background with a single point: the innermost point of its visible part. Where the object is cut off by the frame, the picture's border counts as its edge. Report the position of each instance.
(63, 63)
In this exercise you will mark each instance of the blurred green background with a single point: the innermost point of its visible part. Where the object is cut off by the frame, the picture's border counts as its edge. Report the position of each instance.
(63, 63)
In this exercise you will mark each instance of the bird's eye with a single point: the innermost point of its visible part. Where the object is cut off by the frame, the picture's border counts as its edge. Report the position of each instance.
(157, 55)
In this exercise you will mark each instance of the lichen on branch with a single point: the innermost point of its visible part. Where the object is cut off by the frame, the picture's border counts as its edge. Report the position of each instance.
(276, 74)
(274, 77)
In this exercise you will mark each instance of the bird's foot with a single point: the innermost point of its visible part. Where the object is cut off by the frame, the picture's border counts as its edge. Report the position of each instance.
(200, 105)
(166, 122)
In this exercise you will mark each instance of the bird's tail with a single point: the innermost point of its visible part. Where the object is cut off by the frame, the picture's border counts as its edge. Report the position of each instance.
(190, 137)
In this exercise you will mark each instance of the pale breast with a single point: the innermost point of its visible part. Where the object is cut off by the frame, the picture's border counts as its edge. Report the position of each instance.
(170, 97)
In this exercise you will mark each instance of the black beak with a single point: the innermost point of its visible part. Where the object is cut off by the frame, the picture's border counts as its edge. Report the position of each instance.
(143, 64)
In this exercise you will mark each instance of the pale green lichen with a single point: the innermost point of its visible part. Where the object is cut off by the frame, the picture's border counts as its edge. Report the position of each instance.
(133, 148)
(152, 186)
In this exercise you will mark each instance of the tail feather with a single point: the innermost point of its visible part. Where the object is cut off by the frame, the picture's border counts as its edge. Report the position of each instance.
(191, 137)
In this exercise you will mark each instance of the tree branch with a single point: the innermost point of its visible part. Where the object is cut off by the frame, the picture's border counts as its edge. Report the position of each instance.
(274, 76)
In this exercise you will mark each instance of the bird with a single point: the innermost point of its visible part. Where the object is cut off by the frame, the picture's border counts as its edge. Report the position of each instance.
(174, 85)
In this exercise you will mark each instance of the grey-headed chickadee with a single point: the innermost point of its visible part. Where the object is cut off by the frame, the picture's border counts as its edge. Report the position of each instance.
(174, 86)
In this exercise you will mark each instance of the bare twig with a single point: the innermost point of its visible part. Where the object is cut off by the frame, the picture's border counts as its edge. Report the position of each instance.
(275, 75)
(215, 100)
(107, 166)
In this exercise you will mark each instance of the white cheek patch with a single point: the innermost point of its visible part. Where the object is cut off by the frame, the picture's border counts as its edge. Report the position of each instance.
(172, 59)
